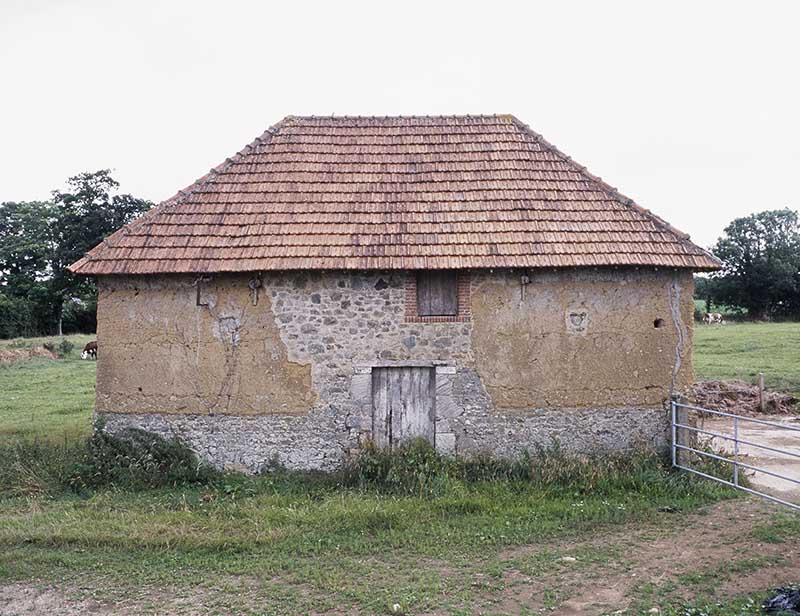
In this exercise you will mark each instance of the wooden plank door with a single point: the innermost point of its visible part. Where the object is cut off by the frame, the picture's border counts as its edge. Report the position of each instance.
(402, 405)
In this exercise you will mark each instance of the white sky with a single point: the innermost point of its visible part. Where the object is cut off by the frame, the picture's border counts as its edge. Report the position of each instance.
(690, 108)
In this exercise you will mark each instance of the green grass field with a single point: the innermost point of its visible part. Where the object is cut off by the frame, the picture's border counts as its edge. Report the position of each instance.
(742, 350)
(284, 545)
(79, 340)
(47, 399)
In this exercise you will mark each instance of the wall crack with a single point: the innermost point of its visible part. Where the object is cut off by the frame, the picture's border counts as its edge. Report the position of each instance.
(674, 296)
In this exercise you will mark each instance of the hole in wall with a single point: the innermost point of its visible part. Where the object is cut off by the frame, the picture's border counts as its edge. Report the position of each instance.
(658, 323)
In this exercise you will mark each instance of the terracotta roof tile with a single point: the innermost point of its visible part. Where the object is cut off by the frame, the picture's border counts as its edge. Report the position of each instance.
(396, 193)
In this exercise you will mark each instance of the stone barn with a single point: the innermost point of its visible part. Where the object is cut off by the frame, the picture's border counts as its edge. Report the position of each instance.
(344, 279)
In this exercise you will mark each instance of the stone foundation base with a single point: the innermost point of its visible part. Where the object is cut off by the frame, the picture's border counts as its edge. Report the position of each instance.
(577, 431)
(323, 441)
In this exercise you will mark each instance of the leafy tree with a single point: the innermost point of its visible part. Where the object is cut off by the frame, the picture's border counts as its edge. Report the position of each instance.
(83, 216)
(26, 243)
(761, 256)
(702, 292)
(25, 251)
(16, 318)
(38, 240)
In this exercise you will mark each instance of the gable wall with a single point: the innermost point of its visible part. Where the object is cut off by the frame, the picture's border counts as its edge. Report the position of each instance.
(289, 377)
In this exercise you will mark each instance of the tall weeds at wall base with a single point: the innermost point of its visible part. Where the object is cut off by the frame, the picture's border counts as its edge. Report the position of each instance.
(34, 468)
(416, 469)
(136, 459)
(131, 460)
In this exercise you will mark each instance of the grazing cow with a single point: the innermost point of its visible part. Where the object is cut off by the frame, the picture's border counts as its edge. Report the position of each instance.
(713, 317)
(90, 350)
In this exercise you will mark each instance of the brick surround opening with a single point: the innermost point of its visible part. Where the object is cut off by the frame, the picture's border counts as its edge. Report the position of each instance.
(464, 314)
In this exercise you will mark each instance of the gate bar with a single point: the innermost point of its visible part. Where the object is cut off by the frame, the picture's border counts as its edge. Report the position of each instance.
(729, 461)
(673, 406)
(728, 483)
(736, 451)
(740, 440)
(751, 419)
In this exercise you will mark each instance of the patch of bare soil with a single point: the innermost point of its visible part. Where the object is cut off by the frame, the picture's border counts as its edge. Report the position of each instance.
(712, 553)
(11, 356)
(734, 396)
(233, 594)
(31, 599)
(25, 599)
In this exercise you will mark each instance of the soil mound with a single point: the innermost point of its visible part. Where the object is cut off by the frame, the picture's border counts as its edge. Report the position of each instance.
(739, 397)
(11, 356)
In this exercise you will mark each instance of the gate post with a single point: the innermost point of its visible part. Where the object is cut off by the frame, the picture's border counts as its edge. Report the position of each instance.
(673, 414)
(681, 436)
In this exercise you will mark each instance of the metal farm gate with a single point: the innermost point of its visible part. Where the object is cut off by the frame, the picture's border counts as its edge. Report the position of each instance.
(684, 441)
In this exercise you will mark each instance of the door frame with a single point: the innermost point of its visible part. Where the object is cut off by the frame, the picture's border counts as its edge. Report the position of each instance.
(446, 409)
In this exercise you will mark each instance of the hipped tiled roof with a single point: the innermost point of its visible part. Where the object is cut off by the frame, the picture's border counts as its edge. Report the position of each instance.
(394, 193)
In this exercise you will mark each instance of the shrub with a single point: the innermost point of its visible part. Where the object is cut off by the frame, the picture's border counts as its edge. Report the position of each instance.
(137, 459)
(133, 460)
(65, 347)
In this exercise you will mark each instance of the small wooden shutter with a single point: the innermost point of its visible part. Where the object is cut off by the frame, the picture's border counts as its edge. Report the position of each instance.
(437, 293)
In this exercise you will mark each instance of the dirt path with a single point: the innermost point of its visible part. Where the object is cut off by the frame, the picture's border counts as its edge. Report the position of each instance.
(713, 553)
(786, 439)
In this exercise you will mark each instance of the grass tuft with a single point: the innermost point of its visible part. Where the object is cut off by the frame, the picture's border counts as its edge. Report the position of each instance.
(36, 468)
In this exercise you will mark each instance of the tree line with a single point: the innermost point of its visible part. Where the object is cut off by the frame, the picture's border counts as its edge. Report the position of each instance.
(39, 239)
(761, 267)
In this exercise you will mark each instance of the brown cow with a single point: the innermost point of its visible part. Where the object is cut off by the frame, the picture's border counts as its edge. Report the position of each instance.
(90, 350)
